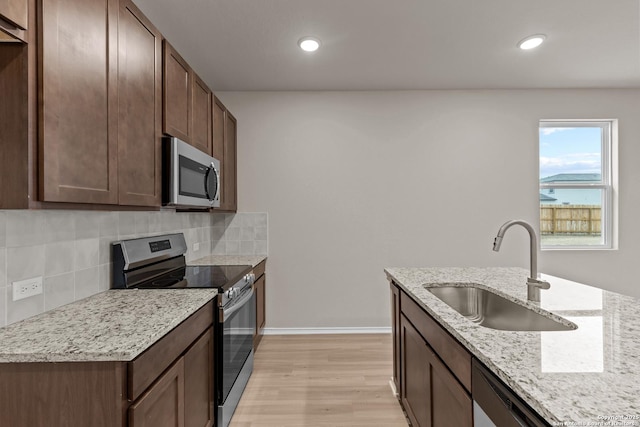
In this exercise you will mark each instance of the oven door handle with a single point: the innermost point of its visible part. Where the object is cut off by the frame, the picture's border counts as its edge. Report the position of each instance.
(226, 313)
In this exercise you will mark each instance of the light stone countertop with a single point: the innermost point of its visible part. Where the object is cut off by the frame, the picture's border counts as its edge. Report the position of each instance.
(251, 260)
(575, 377)
(115, 325)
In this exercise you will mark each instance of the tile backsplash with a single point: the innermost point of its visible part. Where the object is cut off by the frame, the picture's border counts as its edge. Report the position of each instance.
(71, 249)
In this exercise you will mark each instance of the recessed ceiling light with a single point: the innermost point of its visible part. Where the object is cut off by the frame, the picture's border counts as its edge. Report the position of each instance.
(309, 44)
(531, 41)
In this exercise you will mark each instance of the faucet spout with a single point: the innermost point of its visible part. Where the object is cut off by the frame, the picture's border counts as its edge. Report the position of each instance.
(533, 283)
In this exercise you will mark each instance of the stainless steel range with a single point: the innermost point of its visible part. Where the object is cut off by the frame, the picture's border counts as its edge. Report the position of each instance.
(159, 262)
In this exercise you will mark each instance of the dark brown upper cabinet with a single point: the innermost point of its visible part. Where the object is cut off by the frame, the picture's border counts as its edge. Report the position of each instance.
(15, 166)
(219, 111)
(187, 102)
(15, 12)
(139, 109)
(101, 106)
(229, 194)
(201, 111)
(87, 99)
(176, 98)
(13, 20)
(79, 101)
(224, 149)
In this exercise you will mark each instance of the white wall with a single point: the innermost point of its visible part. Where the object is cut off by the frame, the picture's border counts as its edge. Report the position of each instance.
(357, 181)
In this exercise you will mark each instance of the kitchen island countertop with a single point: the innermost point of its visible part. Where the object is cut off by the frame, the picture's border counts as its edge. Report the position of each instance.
(588, 376)
(115, 325)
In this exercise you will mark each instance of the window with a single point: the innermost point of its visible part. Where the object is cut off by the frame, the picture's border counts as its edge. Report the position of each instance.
(576, 184)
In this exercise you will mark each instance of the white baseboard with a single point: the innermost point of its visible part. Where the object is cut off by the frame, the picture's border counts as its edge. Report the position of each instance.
(393, 388)
(325, 331)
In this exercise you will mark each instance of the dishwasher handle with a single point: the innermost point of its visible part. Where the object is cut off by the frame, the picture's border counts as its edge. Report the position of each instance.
(500, 404)
(508, 403)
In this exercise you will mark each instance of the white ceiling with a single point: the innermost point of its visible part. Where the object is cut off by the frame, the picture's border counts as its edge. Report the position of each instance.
(404, 44)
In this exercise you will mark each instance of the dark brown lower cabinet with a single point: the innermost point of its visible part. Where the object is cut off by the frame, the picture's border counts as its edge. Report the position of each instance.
(260, 305)
(431, 395)
(261, 312)
(171, 384)
(416, 375)
(395, 329)
(432, 370)
(452, 405)
(163, 404)
(198, 383)
(183, 396)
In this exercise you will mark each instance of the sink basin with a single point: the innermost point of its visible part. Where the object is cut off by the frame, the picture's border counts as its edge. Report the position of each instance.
(493, 311)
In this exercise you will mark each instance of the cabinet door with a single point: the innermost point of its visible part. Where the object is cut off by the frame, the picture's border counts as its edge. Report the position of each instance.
(415, 375)
(14, 11)
(163, 403)
(431, 395)
(176, 95)
(451, 404)
(395, 327)
(219, 112)
(228, 201)
(202, 137)
(78, 127)
(224, 149)
(260, 287)
(198, 382)
(139, 108)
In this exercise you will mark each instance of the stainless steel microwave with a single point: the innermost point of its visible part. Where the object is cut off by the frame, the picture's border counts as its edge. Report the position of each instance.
(191, 177)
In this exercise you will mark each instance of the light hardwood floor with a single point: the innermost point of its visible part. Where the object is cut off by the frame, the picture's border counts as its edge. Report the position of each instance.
(321, 380)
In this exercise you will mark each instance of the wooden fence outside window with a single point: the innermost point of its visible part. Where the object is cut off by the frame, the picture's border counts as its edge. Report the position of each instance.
(570, 219)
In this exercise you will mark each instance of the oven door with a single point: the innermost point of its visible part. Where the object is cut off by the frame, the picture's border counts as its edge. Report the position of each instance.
(238, 325)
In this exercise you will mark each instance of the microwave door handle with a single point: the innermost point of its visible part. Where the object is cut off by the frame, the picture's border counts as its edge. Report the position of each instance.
(211, 167)
(206, 183)
(217, 194)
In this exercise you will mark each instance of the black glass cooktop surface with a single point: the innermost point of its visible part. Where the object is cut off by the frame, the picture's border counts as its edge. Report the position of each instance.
(202, 276)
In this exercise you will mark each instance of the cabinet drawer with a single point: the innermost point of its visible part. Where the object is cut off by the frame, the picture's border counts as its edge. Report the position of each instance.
(456, 357)
(258, 270)
(144, 369)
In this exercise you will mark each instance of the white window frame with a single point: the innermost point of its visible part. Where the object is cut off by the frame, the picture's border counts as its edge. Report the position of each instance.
(607, 184)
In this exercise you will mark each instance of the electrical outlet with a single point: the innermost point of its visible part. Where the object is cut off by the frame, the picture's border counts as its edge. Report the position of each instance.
(27, 288)
(196, 247)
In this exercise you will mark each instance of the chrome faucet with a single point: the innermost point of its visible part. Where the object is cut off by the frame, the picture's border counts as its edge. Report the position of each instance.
(533, 283)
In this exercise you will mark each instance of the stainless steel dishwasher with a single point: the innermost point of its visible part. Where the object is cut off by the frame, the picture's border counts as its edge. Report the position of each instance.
(495, 405)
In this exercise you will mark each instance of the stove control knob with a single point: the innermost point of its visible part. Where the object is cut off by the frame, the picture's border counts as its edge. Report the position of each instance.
(230, 293)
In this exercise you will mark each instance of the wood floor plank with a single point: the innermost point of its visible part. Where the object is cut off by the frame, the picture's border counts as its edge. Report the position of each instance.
(321, 381)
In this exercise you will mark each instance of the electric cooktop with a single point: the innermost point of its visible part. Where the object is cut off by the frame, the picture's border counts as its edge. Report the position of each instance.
(202, 276)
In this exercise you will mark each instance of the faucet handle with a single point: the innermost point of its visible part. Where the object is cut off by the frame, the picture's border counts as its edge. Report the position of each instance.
(542, 284)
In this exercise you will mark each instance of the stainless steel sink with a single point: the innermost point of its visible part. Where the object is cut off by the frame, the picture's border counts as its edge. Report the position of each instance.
(493, 311)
